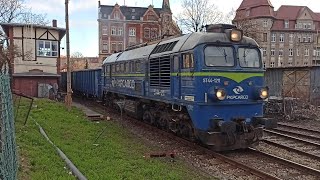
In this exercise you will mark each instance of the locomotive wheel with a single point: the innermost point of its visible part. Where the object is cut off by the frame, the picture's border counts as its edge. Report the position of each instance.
(148, 117)
(164, 121)
(186, 130)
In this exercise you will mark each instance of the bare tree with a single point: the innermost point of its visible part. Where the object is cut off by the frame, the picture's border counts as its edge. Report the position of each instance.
(250, 27)
(77, 61)
(32, 18)
(197, 14)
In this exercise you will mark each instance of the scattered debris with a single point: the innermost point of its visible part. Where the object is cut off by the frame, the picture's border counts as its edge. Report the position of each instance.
(171, 154)
(291, 109)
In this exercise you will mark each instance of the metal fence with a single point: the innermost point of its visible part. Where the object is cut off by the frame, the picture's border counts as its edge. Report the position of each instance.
(8, 153)
(294, 92)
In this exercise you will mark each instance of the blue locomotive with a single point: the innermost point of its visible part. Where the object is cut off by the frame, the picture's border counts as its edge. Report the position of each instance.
(204, 86)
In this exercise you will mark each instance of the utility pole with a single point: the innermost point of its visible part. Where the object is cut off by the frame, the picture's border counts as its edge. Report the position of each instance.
(68, 99)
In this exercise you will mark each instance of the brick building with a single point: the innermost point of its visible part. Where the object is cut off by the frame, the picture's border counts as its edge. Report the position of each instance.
(35, 56)
(288, 36)
(123, 26)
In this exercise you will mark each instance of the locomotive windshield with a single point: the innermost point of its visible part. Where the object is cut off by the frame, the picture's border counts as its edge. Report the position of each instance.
(249, 57)
(219, 56)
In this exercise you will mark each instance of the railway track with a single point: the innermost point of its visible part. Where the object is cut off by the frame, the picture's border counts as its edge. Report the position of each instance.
(290, 140)
(231, 164)
(299, 131)
(274, 165)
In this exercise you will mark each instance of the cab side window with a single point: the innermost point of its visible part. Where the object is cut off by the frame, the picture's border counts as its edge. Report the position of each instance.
(137, 66)
(127, 69)
(188, 61)
(107, 71)
(113, 67)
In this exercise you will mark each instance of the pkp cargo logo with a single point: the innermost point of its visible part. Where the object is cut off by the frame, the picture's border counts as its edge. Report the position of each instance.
(238, 90)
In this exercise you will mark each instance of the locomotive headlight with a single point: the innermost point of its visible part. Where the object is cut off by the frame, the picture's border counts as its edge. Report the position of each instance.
(264, 93)
(236, 35)
(221, 94)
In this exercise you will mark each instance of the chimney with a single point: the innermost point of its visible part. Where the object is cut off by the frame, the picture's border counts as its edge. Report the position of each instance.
(99, 3)
(54, 23)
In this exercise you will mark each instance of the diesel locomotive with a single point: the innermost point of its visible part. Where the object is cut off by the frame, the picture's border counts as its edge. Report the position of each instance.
(204, 86)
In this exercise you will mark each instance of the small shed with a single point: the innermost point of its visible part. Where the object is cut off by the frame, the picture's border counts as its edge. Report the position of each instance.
(295, 82)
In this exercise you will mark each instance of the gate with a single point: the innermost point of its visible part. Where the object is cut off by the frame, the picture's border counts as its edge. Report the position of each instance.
(297, 84)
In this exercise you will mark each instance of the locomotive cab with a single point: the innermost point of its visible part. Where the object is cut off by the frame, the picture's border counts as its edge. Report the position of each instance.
(231, 90)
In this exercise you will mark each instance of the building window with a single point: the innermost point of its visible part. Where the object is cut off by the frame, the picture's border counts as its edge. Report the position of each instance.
(304, 38)
(113, 31)
(290, 63)
(300, 25)
(113, 47)
(290, 52)
(265, 23)
(291, 37)
(117, 15)
(297, 52)
(188, 61)
(273, 37)
(248, 13)
(299, 38)
(272, 52)
(133, 10)
(305, 25)
(264, 51)
(120, 46)
(120, 31)
(154, 33)
(47, 48)
(265, 37)
(280, 52)
(272, 64)
(306, 52)
(309, 38)
(133, 17)
(132, 32)
(281, 38)
(286, 24)
(105, 30)
(309, 25)
(105, 45)
(305, 63)
(146, 33)
(318, 52)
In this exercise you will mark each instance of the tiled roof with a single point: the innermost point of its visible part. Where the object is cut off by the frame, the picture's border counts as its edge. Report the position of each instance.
(289, 12)
(292, 13)
(254, 3)
(127, 11)
(255, 8)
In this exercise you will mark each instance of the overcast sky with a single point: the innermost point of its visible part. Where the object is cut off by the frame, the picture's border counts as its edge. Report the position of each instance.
(84, 13)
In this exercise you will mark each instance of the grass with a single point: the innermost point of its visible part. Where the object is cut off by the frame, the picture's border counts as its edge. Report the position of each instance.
(119, 155)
